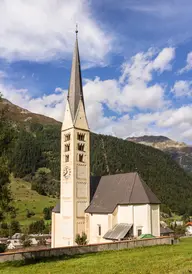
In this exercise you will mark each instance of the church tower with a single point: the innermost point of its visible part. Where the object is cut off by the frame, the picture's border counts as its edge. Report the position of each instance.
(75, 163)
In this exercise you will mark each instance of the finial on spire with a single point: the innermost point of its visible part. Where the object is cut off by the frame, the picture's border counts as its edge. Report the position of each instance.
(76, 31)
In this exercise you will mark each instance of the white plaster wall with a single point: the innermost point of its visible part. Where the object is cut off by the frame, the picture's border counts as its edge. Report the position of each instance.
(61, 232)
(115, 217)
(125, 214)
(141, 219)
(155, 217)
(138, 215)
(95, 220)
(145, 217)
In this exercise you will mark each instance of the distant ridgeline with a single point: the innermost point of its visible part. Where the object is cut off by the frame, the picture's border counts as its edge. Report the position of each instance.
(38, 146)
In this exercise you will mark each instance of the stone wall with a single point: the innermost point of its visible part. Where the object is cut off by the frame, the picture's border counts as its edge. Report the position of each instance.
(74, 250)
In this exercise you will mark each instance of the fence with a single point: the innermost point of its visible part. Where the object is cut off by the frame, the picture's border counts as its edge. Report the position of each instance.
(75, 250)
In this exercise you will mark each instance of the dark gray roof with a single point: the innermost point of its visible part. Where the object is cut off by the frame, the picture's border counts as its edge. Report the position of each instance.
(107, 192)
(119, 189)
(165, 230)
(56, 209)
(75, 93)
(118, 232)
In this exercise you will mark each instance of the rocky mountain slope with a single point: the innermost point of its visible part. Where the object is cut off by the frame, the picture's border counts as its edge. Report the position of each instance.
(23, 116)
(180, 152)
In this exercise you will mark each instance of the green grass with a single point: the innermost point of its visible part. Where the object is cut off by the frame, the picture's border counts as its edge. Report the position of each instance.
(25, 198)
(159, 259)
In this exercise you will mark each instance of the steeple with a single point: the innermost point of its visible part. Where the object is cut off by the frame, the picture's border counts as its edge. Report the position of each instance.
(75, 93)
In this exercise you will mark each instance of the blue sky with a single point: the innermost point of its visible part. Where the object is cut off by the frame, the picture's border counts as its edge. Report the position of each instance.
(136, 60)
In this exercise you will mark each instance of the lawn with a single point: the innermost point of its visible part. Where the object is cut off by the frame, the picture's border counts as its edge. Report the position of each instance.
(25, 198)
(159, 259)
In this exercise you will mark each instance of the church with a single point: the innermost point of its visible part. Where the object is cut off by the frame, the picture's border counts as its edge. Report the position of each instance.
(107, 208)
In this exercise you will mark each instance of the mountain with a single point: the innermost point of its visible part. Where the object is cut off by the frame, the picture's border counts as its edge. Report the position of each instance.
(39, 146)
(179, 151)
(23, 116)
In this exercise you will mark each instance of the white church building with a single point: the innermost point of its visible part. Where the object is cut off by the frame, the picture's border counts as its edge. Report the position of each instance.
(106, 208)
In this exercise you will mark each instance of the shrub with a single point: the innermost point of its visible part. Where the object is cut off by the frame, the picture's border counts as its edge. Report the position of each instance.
(81, 239)
(47, 212)
(29, 213)
(180, 230)
(37, 227)
(42, 241)
(4, 225)
(2, 248)
(15, 227)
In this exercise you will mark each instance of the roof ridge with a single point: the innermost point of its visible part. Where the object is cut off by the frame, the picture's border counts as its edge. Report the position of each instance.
(117, 174)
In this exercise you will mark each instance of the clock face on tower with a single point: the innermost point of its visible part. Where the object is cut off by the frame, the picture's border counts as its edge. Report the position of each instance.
(67, 172)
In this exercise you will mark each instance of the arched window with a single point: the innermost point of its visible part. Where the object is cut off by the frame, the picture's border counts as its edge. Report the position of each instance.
(66, 158)
(67, 137)
(80, 157)
(81, 147)
(80, 136)
(67, 147)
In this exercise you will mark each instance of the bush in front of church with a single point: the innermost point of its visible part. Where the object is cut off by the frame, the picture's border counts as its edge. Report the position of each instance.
(81, 239)
(2, 247)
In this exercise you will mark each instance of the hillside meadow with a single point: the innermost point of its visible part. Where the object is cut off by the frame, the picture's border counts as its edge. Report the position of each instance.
(26, 199)
(147, 260)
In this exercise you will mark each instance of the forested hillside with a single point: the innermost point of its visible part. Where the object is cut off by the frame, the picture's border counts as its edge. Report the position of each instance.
(35, 154)
(180, 152)
(40, 147)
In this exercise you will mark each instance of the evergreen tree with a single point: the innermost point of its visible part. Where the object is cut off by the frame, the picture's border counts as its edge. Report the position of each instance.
(6, 141)
(26, 154)
(14, 227)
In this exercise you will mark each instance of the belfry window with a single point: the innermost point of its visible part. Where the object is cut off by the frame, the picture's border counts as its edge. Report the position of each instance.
(80, 157)
(80, 136)
(81, 147)
(66, 158)
(67, 137)
(67, 147)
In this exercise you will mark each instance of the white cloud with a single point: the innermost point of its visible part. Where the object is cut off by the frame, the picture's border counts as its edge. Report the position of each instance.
(188, 65)
(162, 61)
(143, 64)
(175, 117)
(182, 88)
(134, 89)
(51, 105)
(38, 31)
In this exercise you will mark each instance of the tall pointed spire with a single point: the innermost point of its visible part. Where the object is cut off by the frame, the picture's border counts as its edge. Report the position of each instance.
(75, 93)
